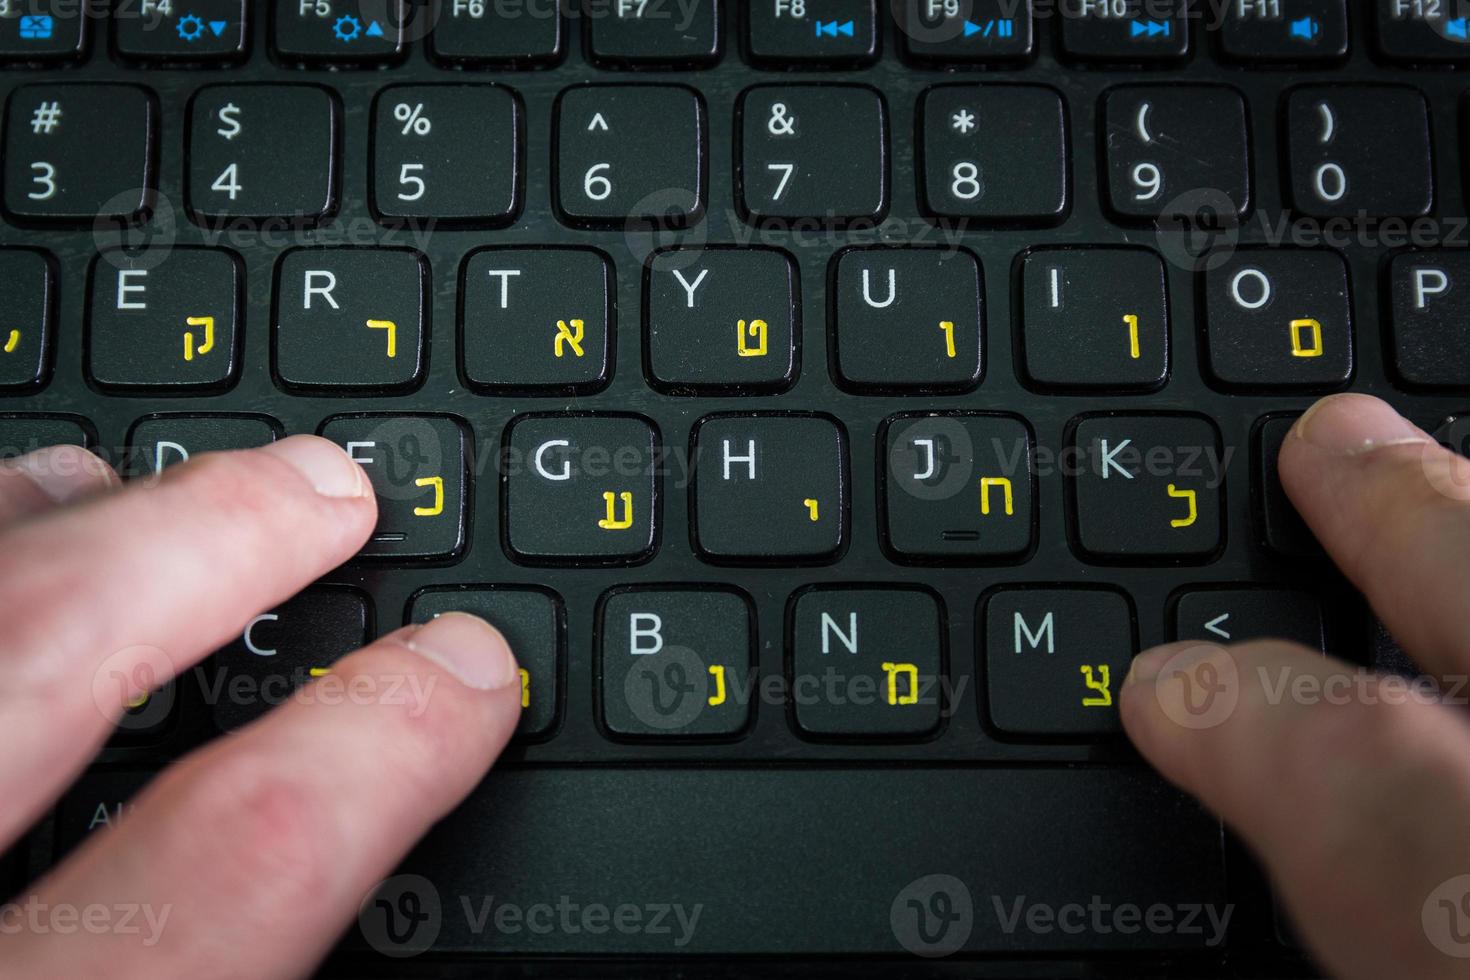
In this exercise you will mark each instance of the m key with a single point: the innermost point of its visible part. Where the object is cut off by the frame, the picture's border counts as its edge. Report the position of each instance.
(1359, 149)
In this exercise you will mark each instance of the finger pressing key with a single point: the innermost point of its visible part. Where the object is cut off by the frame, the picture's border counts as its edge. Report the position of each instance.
(48, 478)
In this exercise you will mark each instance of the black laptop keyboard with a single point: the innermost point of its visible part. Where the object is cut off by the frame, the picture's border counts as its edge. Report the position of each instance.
(827, 399)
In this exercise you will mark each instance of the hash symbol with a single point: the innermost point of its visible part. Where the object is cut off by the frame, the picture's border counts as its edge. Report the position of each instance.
(46, 118)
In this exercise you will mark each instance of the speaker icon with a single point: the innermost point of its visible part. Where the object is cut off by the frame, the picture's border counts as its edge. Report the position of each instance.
(1305, 29)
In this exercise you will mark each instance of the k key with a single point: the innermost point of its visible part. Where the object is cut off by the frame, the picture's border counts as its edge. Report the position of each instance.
(1359, 149)
(1165, 142)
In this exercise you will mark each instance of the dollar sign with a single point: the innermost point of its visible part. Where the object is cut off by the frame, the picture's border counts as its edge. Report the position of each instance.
(229, 115)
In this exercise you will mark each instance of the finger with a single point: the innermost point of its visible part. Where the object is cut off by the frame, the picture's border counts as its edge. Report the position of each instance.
(266, 843)
(1392, 508)
(47, 478)
(107, 599)
(1353, 789)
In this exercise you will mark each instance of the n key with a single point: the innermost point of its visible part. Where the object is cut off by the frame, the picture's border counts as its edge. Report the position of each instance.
(1359, 150)
(1165, 142)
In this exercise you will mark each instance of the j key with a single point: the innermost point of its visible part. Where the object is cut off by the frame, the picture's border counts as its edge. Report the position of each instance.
(43, 31)
(340, 31)
(263, 151)
(1279, 319)
(201, 30)
(1430, 297)
(1293, 31)
(282, 650)
(350, 318)
(54, 137)
(27, 301)
(813, 32)
(21, 434)
(166, 319)
(980, 31)
(581, 488)
(1162, 143)
(1359, 150)
(722, 319)
(537, 320)
(97, 801)
(959, 486)
(1095, 318)
(447, 152)
(161, 441)
(531, 621)
(1056, 659)
(418, 465)
(1279, 527)
(908, 319)
(995, 152)
(486, 33)
(1131, 30)
(872, 661)
(1418, 31)
(814, 152)
(1238, 615)
(1148, 487)
(648, 32)
(676, 662)
(770, 488)
(634, 151)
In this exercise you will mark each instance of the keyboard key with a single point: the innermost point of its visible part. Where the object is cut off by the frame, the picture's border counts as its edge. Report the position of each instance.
(813, 151)
(447, 152)
(350, 318)
(537, 320)
(28, 299)
(1162, 143)
(1430, 297)
(770, 488)
(1279, 527)
(581, 488)
(870, 661)
(419, 468)
(483, 33)
(1056, 658)
(164, 319)
(148, 718)
(54, 136)
(1279, 319)
(342, 31)
(908, 319)
(161, 441)
(722, 320)
(983, 31)
(1147, 487)
(97, 801)
(1240, 615)
(814, 33)
(676, 662)
(1125, 30)
(1095, 318)
(200, 31)
(44, 31)
(1294, 31)
(640, 33)
(532, 622)
(1339, 138)
(1421, 32)
(959, 486)
(282, 650)
(631, 151)
(995, 152)
(21, 434)
(262, 152)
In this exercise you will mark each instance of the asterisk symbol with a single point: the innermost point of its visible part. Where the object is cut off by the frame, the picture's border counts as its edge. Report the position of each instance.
(964, 120)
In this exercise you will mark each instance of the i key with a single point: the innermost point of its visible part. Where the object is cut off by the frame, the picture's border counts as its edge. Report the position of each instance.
(263, 151)
(1278, 319)
(1162, 143)
(199, 31)
(350, 319)
(1430, 295)
(1359, 149)
(27, 301)
(908, 319)
(418, 466)
(164, 318)
(161, 441)
(1095, 318)
(54, 137)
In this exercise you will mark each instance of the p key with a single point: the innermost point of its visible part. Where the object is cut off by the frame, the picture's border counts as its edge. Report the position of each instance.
(1359, 150)
(1430, 296)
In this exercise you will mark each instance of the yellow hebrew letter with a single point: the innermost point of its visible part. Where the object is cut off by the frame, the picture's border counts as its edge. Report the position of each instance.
(207, 322)
(569, 335)
(1313, 329)
(1098, 682)
(1131, 320)
(948, 327)
(995, 481)
(392, 329)
(910, 671)
(525, 687)
(718, 698)
(437, 482)
(758, 332)
(612, 522)
(1187, 495)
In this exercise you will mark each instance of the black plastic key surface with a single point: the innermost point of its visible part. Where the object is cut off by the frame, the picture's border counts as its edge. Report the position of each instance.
(649, 33)
(1359, 149)
(44, 31)
(54, 137)
(981, 31)
(1420, 32)
(97, 801)
(160, 441)
(25, 433)
(1124, 30)
(344, 32)
(1279, 527)
(487, 33)
(1238, 615)
(1429, 297)
(812, 33)
(27, 309)
(1285, 31)
(196, 31)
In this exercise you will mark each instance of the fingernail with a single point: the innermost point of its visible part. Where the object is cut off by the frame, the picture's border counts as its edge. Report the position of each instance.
(1146, 666)
(64, 473)
(469, 648)
(1350, 423)
(329, 470)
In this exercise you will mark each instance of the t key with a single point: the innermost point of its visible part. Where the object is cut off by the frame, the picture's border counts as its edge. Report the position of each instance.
(1359, 149)
(1165, 142)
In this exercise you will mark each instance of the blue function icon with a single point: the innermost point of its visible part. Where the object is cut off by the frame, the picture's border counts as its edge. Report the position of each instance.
(37, 28)
(192, 27)
(832, 28)
(1145, 29)
(994, 27)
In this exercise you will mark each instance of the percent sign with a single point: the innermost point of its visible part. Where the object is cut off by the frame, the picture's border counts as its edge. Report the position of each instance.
(413, 119)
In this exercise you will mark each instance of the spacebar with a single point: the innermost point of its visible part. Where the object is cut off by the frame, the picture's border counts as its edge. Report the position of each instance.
(731, 861)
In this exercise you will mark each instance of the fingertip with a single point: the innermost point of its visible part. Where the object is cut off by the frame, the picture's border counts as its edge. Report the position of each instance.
(65, 473)
(324, 465)
(474, 652)
(1351, 423)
